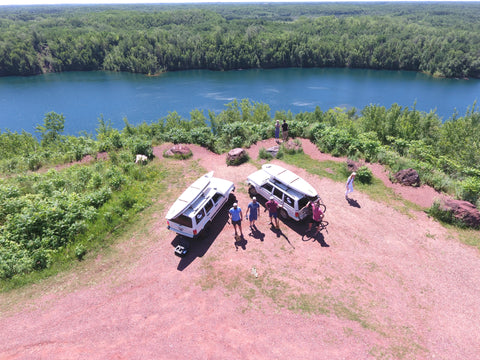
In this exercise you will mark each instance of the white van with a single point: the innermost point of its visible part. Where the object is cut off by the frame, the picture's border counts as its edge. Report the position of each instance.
(195, 209)
(291, 191)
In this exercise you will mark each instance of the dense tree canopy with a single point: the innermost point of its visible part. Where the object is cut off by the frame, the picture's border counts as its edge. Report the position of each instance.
(442, 39)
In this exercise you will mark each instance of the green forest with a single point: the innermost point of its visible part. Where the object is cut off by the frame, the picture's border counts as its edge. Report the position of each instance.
(440, 39)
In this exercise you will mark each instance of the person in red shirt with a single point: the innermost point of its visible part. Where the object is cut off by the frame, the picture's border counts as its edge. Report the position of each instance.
(272, 207)
(317, 216)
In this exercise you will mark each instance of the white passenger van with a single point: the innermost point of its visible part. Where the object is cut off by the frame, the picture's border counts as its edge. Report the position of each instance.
(195, 209)
(291, 191)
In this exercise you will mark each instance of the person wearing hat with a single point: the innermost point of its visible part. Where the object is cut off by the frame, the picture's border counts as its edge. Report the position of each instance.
(236, 216)
(272, 207)
(349, 184)
(253, 210)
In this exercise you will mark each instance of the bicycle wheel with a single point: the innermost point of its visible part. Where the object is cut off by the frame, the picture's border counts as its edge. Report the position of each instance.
(323, 226)
(322, 205)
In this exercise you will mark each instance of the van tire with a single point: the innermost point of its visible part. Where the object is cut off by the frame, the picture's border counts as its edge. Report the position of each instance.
(283, 214)
(252, 191)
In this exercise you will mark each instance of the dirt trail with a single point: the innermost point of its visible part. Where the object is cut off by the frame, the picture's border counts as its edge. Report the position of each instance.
(377, 284)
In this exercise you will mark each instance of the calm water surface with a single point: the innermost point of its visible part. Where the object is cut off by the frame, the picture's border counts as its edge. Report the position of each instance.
(83, 97)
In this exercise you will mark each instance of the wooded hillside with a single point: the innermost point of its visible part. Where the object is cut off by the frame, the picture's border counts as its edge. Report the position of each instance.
(441, 39)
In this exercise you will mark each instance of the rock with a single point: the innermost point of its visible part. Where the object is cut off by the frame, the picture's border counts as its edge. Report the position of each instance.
(292, 146)
(178, 150)
(273, 150)
(464, 211)
(353, 165)
(236, 156)
(408, 177)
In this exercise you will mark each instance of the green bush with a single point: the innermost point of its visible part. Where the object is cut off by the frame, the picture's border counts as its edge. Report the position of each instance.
(445, 216)
(470, 189)
(364, 175)
(80, 252)
(264, 154)
(240, 160)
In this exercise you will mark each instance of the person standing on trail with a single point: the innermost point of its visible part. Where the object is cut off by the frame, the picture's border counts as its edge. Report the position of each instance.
(277, 131)
(272, 207)
(253, 208)
(349, 184)
(317, 216)
(236, 216)
(285, 130)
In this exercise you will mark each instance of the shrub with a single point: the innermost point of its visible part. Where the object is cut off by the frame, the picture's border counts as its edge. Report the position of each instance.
(264, 154)
(80, 252)
(445, 216)
(179, 156)
(364, 175)
(238, 161)
(470, 189)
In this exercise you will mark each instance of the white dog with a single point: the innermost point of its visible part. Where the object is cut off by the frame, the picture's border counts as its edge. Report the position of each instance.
(142, 159)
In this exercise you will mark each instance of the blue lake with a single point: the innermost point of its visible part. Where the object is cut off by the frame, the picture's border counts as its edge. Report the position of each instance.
(83, 97)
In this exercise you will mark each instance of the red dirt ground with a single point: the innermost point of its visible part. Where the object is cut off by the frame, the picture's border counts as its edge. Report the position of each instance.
(377, 284)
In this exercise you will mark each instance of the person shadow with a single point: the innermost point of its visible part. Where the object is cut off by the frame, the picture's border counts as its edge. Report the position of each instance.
(320, 239)
(256, 234)
(240, 242)
(278, 231)
(353, 203)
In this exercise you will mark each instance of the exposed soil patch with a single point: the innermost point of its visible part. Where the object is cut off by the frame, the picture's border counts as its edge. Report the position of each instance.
(377, 284)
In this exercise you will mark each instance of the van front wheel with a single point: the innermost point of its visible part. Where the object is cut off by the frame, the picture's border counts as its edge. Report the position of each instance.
(283, 214)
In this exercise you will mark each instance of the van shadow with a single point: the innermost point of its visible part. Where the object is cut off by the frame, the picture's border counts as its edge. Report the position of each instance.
(197, 248)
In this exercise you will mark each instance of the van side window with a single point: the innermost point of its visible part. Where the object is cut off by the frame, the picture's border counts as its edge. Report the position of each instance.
(278, 193)
(289, 201)
(183, 220)
(208, 206)
(216, 197)
(200, 215)
(268, 187)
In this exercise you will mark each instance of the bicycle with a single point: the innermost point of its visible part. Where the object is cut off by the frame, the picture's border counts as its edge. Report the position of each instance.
(310, 234)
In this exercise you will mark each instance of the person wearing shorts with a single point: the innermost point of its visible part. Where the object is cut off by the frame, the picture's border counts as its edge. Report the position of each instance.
(236, 216)
(349, 184)
(272, 207)
(253, 208)
(285, 130)
(317, 216)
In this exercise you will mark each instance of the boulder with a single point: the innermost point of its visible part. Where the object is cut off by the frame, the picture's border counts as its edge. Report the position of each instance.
(353, 165)
(408, 177)
(178, 150)
(236, 156)
(464, 211)
(273, 150)
(293, 146)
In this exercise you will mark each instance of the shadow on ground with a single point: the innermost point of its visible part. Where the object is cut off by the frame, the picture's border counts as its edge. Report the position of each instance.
(353, 203)
(198, 247)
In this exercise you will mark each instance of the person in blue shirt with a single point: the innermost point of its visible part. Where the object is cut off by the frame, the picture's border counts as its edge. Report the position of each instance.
(253, 210)
(236, 216)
